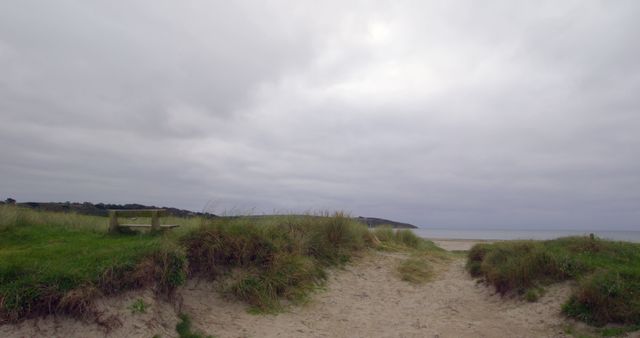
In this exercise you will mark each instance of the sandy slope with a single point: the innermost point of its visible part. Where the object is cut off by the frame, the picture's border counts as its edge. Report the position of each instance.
(365, 299)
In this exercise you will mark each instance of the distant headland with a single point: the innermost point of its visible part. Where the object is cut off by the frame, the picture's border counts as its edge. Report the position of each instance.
(372, 222)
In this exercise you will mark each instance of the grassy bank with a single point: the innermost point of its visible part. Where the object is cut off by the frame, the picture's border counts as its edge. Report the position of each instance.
(607, 274)
(58, 263)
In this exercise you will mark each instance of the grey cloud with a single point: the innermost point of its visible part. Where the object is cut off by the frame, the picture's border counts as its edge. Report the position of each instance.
(497, 114)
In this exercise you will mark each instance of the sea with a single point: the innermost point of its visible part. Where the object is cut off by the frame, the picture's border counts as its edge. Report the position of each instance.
(495, 234)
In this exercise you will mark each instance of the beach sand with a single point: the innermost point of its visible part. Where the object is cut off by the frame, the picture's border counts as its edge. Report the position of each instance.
(364, 299)
(458, 244)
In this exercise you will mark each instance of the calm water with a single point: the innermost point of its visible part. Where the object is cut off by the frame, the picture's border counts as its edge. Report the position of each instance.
(631, 236)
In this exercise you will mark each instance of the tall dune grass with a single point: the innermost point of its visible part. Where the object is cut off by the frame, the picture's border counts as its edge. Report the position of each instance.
(12, 216)
(391, 239)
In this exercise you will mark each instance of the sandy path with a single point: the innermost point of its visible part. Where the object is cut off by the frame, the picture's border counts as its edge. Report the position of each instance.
(365, 299)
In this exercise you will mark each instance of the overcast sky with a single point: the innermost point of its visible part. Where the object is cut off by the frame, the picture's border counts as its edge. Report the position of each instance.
(461, 114)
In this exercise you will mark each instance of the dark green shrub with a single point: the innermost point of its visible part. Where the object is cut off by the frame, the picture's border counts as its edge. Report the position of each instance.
(606, 297)
(475, 257)
(514, 266)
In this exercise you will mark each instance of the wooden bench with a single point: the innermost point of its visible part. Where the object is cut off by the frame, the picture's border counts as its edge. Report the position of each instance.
(154, 214)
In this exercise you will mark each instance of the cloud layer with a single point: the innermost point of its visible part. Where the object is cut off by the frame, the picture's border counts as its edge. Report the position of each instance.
(494, 114)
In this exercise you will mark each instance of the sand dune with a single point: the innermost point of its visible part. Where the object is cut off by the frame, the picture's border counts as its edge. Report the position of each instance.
(368, 300)
(365, 299)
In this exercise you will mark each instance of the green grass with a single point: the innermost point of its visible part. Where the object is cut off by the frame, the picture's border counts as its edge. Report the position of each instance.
(607, 274)
(57, 263)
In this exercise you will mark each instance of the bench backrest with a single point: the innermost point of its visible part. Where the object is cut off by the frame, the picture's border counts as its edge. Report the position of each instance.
(154, 214)
(138, 212)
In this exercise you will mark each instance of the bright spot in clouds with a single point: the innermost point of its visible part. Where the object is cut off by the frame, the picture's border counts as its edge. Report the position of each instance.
(379, 33)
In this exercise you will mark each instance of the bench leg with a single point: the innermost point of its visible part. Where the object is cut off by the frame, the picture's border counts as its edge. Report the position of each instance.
(113, 222)
(155, 222)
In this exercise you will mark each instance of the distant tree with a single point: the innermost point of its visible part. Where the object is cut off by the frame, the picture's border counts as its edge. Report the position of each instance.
(10, 201)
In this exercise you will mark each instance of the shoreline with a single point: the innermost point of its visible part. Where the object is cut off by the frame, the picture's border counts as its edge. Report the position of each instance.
(468, 240)
(536, 235)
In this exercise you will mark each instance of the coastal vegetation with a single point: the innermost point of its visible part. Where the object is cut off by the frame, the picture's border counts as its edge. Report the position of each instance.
(58, 263)
(277, 259)
(606, 273)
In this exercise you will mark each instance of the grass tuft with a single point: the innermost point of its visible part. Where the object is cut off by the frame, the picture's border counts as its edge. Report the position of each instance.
(415, 270)
(533, 294)
(418, 268)
(138, 306)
